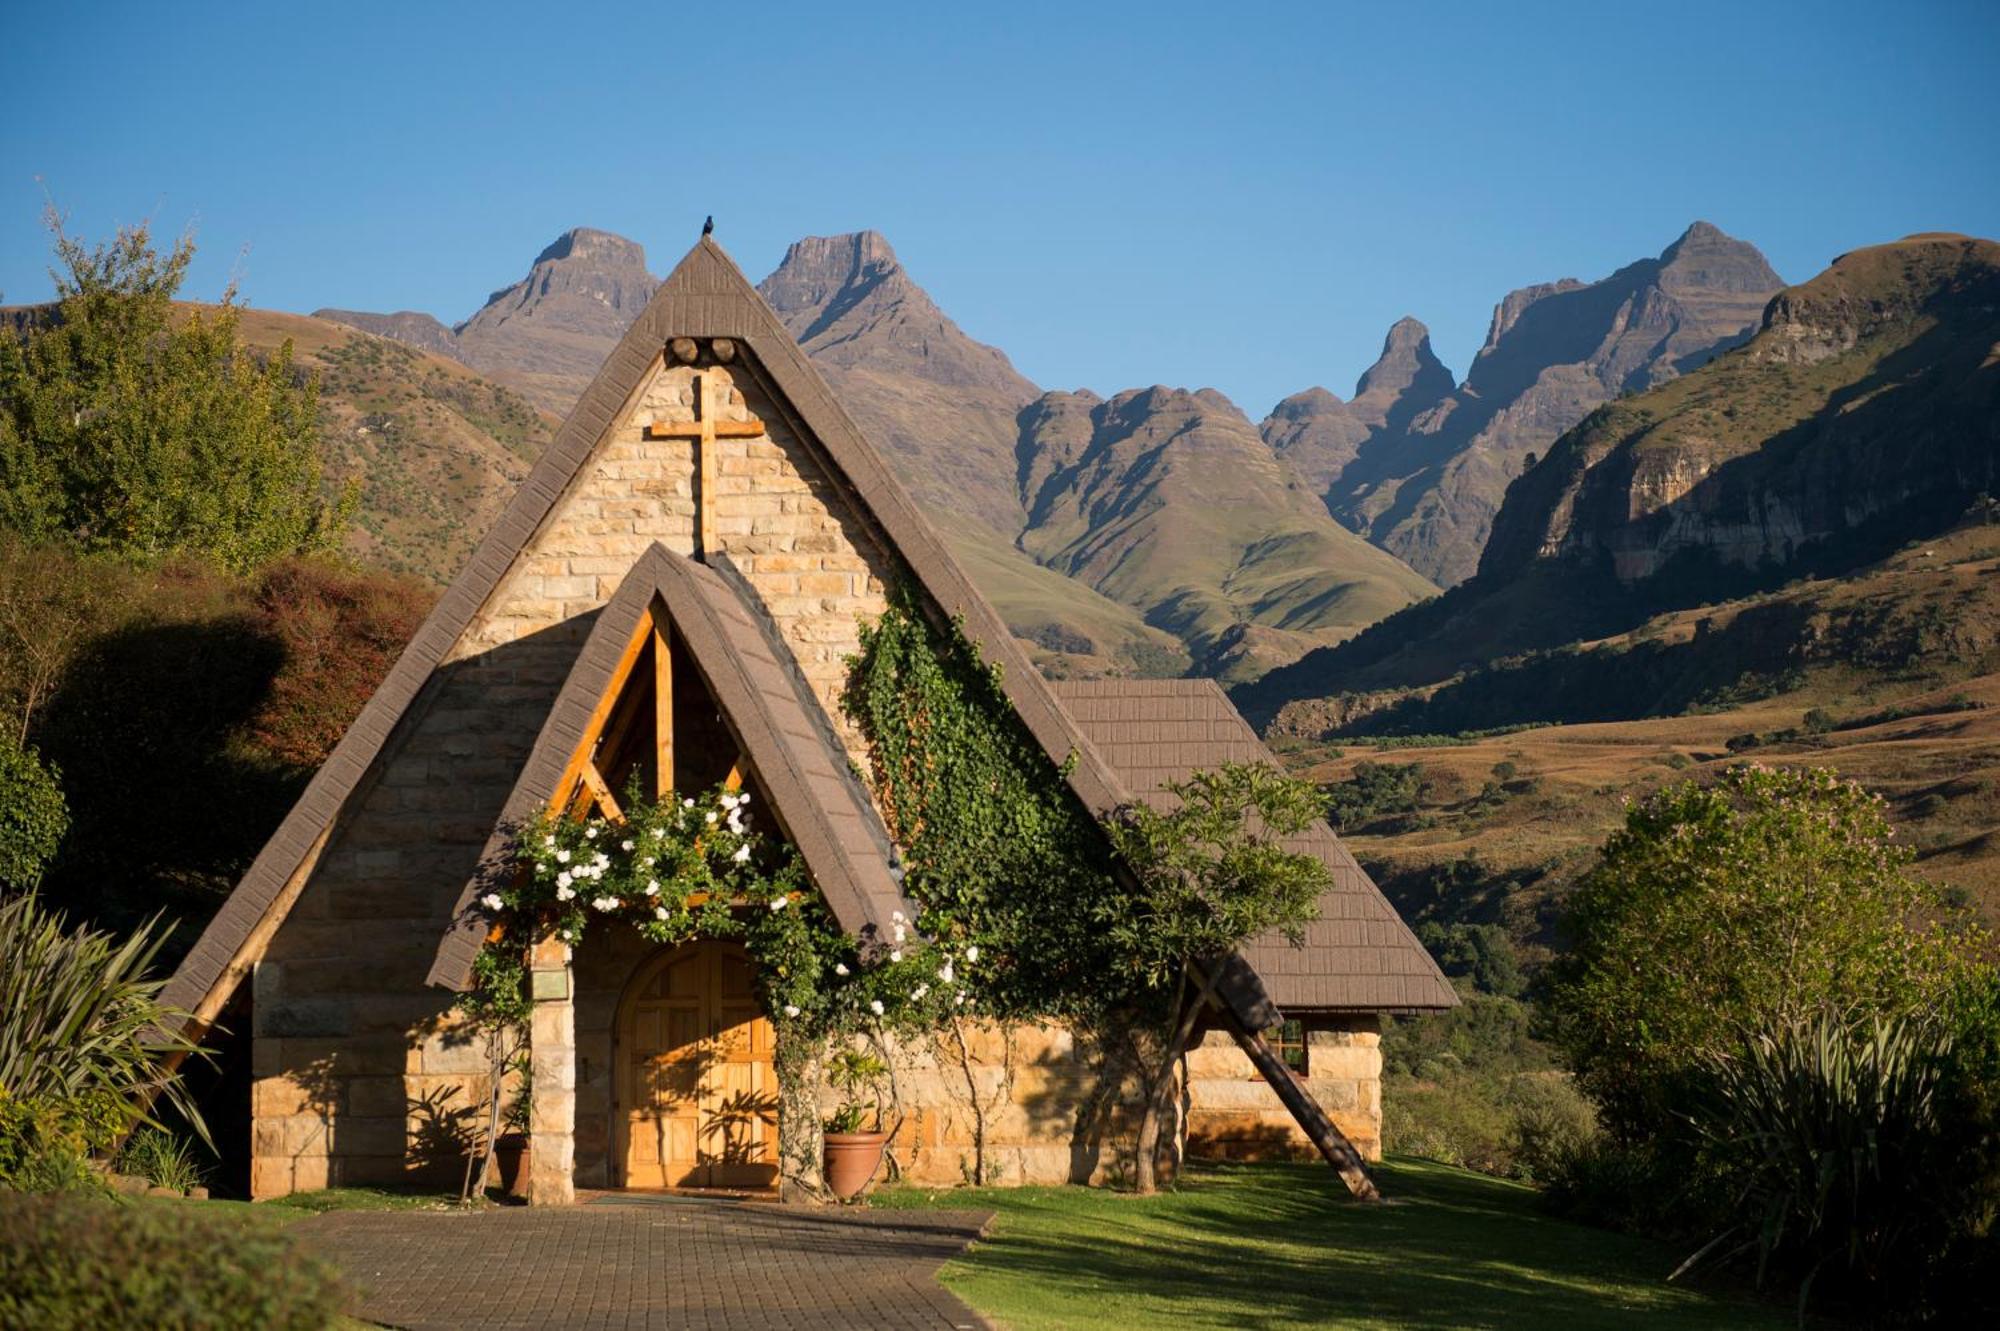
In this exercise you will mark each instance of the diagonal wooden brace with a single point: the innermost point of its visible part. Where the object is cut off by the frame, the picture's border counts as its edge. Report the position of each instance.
(1331, 1142)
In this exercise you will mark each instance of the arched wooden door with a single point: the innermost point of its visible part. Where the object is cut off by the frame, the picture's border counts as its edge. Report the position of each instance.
(697, 1093)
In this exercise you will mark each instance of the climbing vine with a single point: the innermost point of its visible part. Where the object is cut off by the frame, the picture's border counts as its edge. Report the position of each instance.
(998, 852)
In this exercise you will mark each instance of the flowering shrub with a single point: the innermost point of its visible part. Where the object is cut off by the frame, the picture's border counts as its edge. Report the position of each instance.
(689, 867)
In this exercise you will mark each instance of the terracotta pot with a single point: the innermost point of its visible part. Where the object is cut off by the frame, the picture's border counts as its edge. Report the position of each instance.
(514, 1155)
(851, 1160)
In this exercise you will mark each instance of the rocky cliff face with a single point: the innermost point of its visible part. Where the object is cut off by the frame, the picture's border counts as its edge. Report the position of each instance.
(1319, 436)
(939, 403)
(547, 334)
(1862, 416)
(1426, 487)
(1867, 406)
(1170, 501)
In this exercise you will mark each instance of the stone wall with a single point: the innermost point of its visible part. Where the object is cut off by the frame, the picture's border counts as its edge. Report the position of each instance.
(359, 1073)
(1234, 1114)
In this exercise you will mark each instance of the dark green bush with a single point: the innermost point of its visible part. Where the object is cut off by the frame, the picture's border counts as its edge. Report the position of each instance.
(33, 816)
(69, 1261)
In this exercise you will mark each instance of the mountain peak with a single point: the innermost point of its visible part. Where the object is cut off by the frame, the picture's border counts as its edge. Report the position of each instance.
(597, 247)
(1709, 258)
(1407, 374)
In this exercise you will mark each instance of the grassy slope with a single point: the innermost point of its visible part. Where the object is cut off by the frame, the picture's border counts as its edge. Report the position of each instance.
(436, 449)
(1270, 1246)
(1073, 629)
(1919, 725)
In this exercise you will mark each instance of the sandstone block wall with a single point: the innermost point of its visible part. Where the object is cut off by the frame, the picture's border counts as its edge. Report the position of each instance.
(359, 1076)
(1234, 1114)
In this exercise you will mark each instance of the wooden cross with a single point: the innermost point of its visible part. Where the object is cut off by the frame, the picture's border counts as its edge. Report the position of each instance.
(705, 429)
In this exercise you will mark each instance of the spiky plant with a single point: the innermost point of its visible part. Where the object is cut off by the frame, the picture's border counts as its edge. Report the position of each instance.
(1827, 1127)
(80, 1017)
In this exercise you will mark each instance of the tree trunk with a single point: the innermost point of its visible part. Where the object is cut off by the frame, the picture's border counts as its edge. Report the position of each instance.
(1160, 1090)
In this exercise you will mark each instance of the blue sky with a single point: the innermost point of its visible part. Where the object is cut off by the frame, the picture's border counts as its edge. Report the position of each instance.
(1243, 197)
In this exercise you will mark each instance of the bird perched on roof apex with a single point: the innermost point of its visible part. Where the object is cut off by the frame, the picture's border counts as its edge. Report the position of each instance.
(708, 227)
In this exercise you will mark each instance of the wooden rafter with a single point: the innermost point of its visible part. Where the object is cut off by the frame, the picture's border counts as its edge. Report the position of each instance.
(1325, 1135)
(663, 712)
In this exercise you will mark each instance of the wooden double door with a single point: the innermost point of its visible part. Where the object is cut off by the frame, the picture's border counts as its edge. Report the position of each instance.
(697, 1092)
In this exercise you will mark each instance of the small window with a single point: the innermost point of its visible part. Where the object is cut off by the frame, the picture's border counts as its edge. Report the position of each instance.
(1288, 1039)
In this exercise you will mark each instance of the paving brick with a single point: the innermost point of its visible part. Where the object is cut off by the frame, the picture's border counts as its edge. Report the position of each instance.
(668, 1261)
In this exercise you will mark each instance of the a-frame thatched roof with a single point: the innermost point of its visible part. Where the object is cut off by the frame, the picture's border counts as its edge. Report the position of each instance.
(705, 297)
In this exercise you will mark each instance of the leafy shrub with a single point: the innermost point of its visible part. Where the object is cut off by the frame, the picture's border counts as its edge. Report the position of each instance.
(340, 629)
(1374, 791)
(32, 814)
(161, 1158)
(1482, 953)
(1721, 911)
(46, 1143)
(78, 1262)
(81, 1024)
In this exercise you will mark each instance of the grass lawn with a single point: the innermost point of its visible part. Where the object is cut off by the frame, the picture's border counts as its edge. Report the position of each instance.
(1252, 1246)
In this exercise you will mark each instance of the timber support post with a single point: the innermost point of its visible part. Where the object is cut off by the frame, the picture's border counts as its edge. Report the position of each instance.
(1314, 1121)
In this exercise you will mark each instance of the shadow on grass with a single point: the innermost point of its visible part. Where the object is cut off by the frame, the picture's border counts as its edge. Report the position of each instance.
(1274, 1245)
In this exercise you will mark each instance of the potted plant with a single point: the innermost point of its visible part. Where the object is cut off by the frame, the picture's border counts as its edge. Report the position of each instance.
(512, 1150)
(853, 1153)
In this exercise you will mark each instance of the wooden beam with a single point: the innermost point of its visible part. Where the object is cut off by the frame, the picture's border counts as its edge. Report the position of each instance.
(663, 712)
(734, 781)
(665, 429)
(600, 790)
(1321, 1130)
(614, 688)
(1306, 1112)
(251, 950)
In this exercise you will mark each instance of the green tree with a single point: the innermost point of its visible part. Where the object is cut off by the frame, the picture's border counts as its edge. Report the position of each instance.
(33, 816)
(130, 425)
(1718, 913)
(1209, 872)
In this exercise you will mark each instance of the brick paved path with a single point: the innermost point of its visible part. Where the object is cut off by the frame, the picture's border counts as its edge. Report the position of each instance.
(690, 1264)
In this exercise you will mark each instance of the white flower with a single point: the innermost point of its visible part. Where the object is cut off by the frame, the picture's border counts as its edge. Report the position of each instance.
(895, 954)
(947, 974)
(653, 888)
(548, 841)
(687, 804)
(742, 853)
(744, 798)
(659, 912)
(602, 861)
(590, 833)
(840, 968)
(901, 933)
(492, 901)
(565, 893)
(563, 879)
(972, 953)
(562, 857)
(606, 903)
(710, 818)
(736, 821)
(626, 844)
(729, 801)
(779, 903)
(958, 998)
(659, 833)
(896, 915)
(875, 1006)
(917, 993)
(791, 1009)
